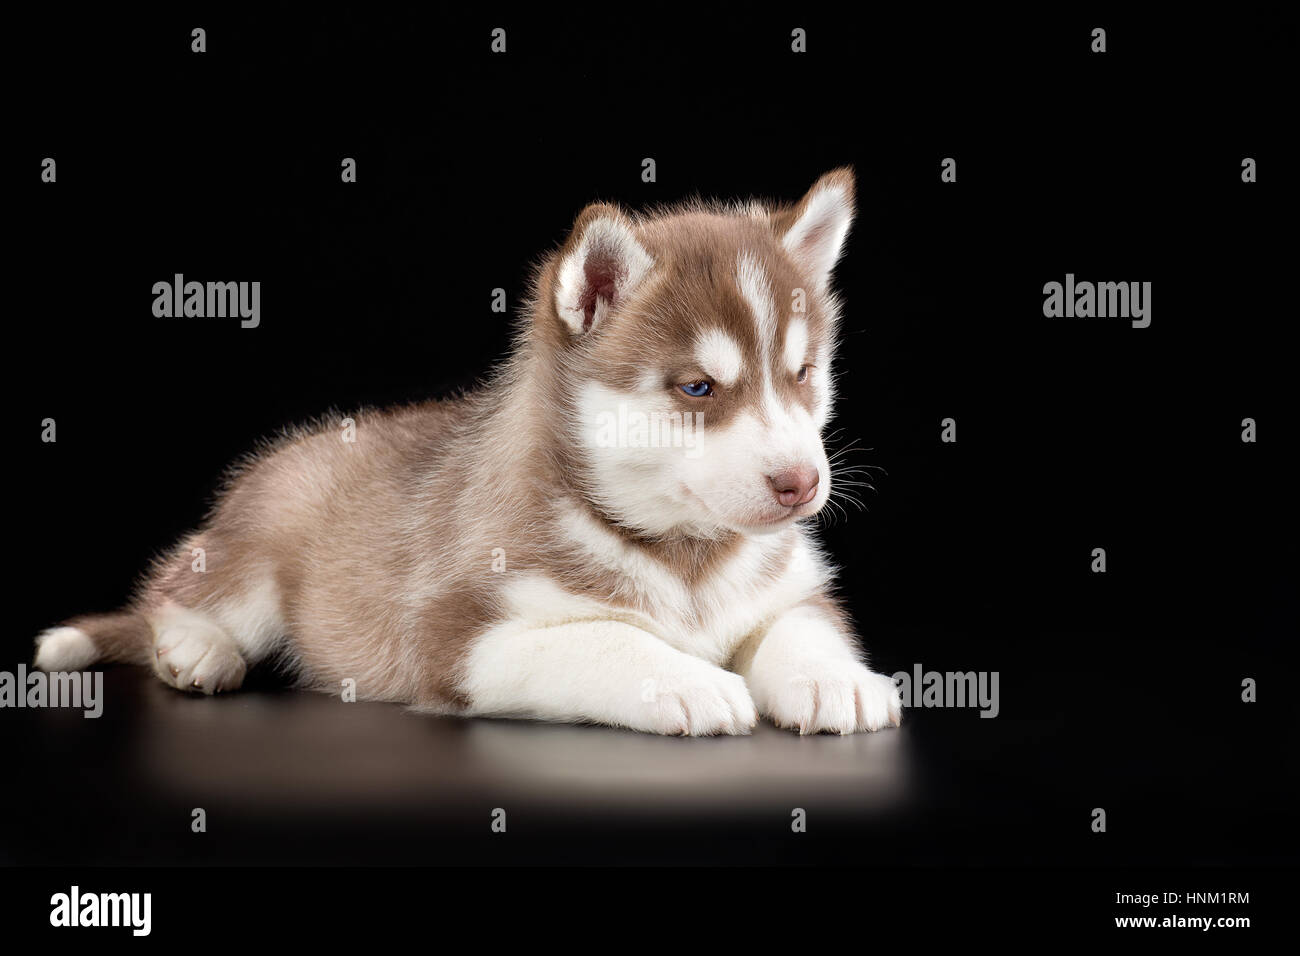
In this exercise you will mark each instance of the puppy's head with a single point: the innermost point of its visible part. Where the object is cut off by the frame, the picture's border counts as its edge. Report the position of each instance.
(692, 351)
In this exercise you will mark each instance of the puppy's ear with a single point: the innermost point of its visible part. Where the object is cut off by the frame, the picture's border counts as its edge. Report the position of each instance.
(814, 230)
(600, 265)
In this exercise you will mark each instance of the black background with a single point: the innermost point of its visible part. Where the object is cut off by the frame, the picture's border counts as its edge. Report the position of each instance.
(1119, 690)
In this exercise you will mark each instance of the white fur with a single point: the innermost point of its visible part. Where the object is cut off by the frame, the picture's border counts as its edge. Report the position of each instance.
(756, 290)
(605, 548)
(567, 657)
(192, 652)
(254, 620)
(795, 352)
(805, 675)
(605, 671)
(65, 649)
(633, 484)
(719, 356)
(729, 482)
(709, 620)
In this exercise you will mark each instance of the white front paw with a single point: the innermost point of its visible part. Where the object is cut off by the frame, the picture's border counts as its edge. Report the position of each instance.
(835, 696)
(701, 701)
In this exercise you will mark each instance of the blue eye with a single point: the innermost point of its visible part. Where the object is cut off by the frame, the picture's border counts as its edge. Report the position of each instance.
(697, 389)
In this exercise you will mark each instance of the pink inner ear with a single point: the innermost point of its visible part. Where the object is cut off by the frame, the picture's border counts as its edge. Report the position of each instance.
(814, 243)
(817, 234)
(601, 275)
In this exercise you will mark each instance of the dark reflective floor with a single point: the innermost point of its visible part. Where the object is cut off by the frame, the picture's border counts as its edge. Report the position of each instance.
(292, 777)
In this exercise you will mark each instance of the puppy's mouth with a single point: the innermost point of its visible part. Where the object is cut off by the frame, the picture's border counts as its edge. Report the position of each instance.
(762, 518)
(784, 516)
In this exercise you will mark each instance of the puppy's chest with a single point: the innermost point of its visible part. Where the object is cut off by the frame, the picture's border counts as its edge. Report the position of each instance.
(709, 620)
(712, 614)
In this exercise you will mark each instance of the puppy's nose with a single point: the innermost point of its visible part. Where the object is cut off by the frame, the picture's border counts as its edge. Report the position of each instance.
(795, 486)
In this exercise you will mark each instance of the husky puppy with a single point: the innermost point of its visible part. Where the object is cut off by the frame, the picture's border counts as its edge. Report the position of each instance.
(613, 530)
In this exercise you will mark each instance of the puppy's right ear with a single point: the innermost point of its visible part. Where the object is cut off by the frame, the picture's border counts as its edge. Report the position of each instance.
(813, 231)
(600, 265)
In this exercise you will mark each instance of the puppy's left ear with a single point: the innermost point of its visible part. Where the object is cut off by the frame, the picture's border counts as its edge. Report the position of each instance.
(600, 264)
(815, 229)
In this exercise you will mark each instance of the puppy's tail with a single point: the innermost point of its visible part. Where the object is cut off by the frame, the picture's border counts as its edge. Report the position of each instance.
(121, 636)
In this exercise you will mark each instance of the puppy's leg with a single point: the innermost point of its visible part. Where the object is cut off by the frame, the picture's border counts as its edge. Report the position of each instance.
(805, 673)
(607, 672)
(193, 652)
(209, 626)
